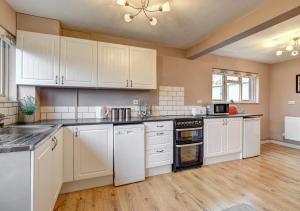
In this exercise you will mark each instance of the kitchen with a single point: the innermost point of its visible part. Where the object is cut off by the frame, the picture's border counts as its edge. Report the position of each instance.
(100, 123)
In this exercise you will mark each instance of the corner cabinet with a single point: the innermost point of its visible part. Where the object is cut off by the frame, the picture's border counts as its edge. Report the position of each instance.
(78, 62)
(93, 151)
(222, 139)
(48, 172)
(37, 59)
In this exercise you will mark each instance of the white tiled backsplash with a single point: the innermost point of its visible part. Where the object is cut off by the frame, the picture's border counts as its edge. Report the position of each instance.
(10, 110)
(171, 102)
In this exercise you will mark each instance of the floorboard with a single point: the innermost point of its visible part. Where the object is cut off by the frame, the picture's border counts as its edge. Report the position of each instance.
(268, 182)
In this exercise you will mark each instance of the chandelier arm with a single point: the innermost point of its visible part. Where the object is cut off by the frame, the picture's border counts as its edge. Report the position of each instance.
(147, 15)
(140, 10)
(152, 10)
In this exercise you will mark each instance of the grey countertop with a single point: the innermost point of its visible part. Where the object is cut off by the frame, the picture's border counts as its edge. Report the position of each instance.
(136, 120)
(34, 141)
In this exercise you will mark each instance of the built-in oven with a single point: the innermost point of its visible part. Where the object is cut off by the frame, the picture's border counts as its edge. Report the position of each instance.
(188, 143)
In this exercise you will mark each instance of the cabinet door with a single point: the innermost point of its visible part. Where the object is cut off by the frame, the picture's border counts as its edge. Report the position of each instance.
(234, 134)
(78, 65)
(37, 59)
(113, 65)
(68, 154)
(142, 68)
(214, 137)
(57, 151)
(44, 177)
(93, 151)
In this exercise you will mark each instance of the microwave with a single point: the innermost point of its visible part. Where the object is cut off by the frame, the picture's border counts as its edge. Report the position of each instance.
(218, 109)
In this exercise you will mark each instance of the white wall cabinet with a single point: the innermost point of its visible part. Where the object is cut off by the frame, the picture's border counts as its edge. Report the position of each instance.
(78, 62)
(222, 136)
(93, 151)
(49, 60)
(142, 68)
(48, 172)
(113, 65)
(37, 59)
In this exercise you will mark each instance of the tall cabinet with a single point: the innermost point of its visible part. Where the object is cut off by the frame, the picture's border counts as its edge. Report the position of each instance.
(37, 59)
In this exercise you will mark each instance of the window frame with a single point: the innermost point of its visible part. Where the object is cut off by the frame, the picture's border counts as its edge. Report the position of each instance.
(254, 88)
(4, 63)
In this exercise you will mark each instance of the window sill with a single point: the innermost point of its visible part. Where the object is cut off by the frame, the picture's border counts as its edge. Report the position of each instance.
(236, 102)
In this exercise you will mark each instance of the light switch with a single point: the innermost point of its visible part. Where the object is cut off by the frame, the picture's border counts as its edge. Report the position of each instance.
(291, 102)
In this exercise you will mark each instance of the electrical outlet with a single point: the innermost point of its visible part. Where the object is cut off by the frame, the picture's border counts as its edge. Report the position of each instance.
(291, 102)
(135, 102)
(199, 101)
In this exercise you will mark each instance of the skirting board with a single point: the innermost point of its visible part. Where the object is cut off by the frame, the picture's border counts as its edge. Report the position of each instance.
(282, 143)
(158, 170)
(224, 158)
(86, 184)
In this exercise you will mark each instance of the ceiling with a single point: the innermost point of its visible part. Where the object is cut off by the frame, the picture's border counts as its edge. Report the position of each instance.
(187, 23)
(262, 46)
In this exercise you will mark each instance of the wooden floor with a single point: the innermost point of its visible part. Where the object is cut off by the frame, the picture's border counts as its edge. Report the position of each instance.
(268, 182)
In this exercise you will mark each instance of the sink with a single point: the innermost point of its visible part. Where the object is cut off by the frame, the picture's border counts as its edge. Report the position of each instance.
(18, 134)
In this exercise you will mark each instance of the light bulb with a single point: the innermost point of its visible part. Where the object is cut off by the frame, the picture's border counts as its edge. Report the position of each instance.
(128, 18)
(165, 7)
(122, 2)
(289, 48)
(294, 53)
(153, 21)
(279, 53)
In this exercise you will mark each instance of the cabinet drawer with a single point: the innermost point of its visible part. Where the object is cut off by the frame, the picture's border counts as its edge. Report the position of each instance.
(155, 138)
(159, 159)
(159, 126)
(159, 148)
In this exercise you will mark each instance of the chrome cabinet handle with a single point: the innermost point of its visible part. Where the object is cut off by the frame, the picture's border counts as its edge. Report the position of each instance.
(160, 126)
(131, 83)
(160, 150)
(160, 134)
(54, 140)
(126, 83)
(56, 79)
(76, 132)
(62, 80)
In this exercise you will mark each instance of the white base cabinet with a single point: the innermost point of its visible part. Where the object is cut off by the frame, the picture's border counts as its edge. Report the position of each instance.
(47, 173)
(222, 137)
(159, 146)
(93, 151)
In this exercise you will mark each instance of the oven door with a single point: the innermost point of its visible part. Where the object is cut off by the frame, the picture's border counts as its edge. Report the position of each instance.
(189, 155)
(188, 135)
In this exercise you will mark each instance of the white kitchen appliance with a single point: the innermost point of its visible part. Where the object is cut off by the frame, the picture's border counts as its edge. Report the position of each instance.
(129, 154)
(101, 112)
(251, 139)
(198, 111)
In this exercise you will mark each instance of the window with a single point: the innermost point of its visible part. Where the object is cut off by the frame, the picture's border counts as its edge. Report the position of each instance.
(3, 66)
(234, 86)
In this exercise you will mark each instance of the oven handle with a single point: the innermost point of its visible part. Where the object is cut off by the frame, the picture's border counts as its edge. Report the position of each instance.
(188, 145)
(187, 129)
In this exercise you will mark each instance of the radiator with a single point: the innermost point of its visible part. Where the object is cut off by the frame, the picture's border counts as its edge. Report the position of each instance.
(292, 128)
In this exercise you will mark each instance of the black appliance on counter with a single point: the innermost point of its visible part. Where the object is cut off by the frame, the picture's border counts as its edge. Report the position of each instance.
(188, 143)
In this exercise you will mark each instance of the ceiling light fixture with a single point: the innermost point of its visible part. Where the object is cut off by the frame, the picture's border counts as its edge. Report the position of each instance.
(293, 49)
(144, 8)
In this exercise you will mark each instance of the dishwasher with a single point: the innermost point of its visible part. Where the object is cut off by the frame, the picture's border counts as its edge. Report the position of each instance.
(129, 154)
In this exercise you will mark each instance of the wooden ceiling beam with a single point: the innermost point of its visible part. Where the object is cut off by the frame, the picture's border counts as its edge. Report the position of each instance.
(269, 14)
